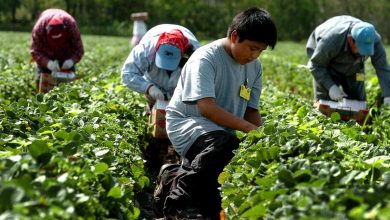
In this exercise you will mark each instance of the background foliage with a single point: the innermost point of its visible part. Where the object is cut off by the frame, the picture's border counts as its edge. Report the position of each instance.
(208, 19)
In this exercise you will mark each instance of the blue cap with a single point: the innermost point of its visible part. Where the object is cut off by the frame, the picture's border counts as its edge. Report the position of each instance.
(364, 35)
(168, 57)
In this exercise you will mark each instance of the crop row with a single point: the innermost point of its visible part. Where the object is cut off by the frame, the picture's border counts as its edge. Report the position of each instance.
(73, 152)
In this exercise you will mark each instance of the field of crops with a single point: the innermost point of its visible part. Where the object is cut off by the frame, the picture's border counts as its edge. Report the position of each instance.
(74, 153)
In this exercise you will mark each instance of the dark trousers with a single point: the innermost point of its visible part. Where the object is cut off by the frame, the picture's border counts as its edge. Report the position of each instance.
(196, 183)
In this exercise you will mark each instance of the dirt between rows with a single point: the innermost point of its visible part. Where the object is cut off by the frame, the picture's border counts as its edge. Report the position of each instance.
(156, 154)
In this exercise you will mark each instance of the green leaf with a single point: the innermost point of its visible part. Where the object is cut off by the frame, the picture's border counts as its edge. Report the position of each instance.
(81, 198)
(10, 195)
(143, 181)
(255, 212)
(70, 148)
(379, 161)
(101, 152)
(115, 192)
(270, 195)
(229, 189)
(89, 129)
(21, 142)
(358, 212)
(266, 182)
(286, 177)
(222, 178)
(304, 201)
(274, 152)
(318, 183)
(38, 148)
(63, 177)
(61, 135)
(100, 168)
(349, 177)
(137, 171)
(45, 130)
(335, 116)
(302, 175)
(6, 153)
(302, 111)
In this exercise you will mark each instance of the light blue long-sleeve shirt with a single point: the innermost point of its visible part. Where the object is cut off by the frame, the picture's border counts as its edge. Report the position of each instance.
(140, 71)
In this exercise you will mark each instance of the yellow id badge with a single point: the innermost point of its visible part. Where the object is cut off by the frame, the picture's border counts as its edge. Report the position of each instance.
(245, 92)
(359, 76)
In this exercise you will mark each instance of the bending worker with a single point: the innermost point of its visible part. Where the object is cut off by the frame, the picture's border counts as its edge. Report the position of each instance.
(337, 51)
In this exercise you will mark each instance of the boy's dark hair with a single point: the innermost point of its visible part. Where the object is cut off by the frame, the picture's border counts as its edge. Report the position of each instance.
(254, 24)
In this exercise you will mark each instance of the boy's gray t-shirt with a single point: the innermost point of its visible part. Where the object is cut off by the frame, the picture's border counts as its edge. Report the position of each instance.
(210, 72)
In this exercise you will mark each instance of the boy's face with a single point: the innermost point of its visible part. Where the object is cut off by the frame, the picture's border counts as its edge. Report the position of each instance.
(246, 51)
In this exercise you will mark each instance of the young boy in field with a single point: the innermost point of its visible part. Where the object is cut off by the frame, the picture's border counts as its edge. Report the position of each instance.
(218, 92)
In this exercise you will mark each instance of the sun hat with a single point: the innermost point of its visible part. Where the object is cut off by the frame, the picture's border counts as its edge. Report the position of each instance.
(170, 49)
(364, 35)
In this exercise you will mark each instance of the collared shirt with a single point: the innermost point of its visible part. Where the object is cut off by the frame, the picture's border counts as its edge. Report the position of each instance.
(140, 70)
(42, 52)
(329, 54)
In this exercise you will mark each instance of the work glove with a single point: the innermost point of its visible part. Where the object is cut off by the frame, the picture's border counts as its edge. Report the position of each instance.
(155, 93)
(67, 64)
(386, 101)
(335, 93)
(53, 66)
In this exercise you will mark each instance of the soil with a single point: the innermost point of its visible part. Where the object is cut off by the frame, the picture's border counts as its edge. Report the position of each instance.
(156, 154)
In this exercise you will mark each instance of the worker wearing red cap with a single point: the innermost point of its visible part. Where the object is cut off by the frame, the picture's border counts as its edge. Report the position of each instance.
(56, 42)
(153, 66)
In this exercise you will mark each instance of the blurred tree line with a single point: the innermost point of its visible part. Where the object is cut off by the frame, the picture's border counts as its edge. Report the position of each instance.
(208, 19)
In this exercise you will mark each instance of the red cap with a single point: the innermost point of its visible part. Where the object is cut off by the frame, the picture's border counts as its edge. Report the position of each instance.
(175, 38)
(55, 21)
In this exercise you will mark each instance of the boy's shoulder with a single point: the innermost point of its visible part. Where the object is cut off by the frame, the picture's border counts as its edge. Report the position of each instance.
(208, 50)
(211, 45)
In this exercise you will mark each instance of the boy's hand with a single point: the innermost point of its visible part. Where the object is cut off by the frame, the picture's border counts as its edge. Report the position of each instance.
(251, 128)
